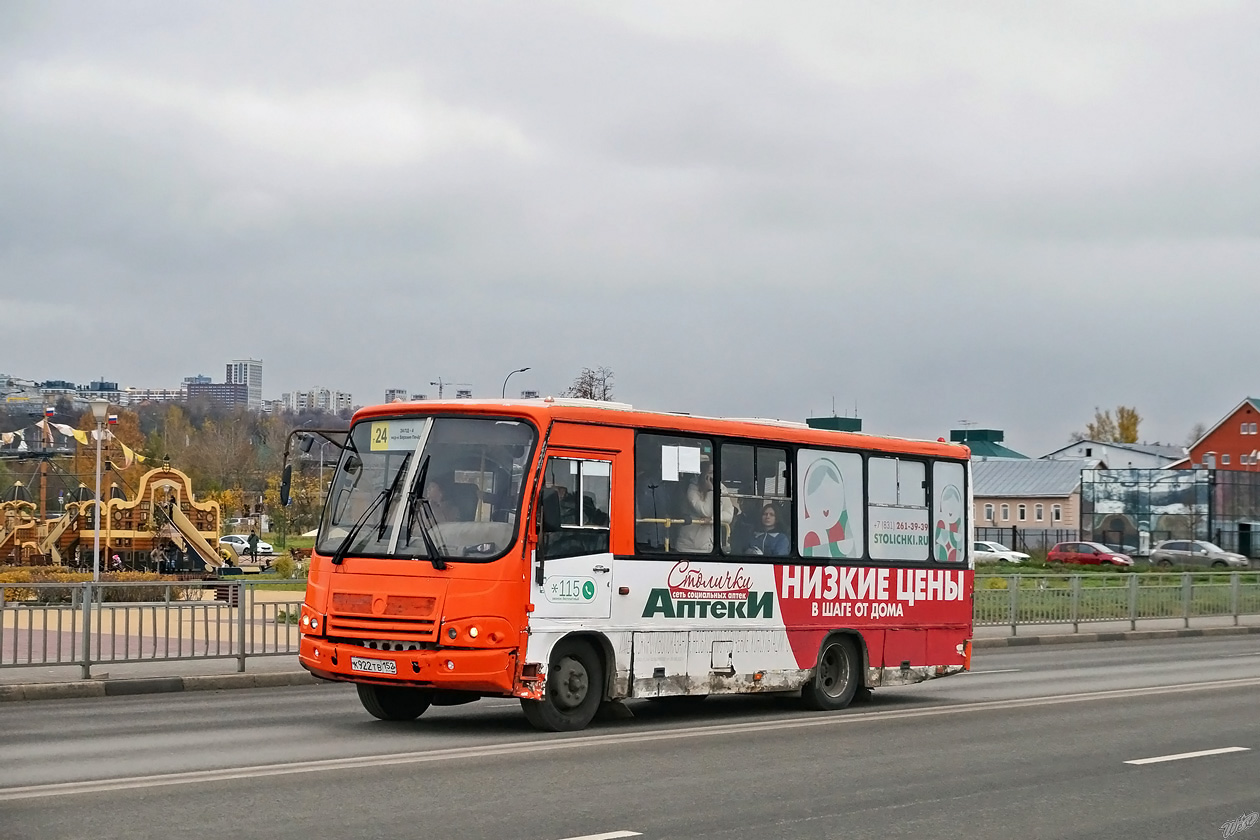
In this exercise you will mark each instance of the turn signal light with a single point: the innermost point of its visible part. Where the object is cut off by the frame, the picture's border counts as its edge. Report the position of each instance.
(479, 631)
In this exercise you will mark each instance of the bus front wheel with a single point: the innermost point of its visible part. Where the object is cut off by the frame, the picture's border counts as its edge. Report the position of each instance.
(575, 681)
(836, 676)
(394, 702)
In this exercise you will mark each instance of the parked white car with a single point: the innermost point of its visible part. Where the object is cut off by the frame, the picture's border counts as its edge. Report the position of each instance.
(992, 552)
(240, 542)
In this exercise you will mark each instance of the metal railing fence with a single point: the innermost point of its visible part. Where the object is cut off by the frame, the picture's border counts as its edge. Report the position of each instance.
(1025, 599)
(87, 624)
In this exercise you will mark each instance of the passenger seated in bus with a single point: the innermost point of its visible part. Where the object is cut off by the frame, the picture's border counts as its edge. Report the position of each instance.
(697, 537)
(438, 495)
(768, 540)
(568, 505)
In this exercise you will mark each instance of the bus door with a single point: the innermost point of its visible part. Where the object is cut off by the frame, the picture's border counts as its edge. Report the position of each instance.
(573, 545)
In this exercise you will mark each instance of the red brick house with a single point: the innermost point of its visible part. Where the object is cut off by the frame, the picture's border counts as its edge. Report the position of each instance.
(1232, 444)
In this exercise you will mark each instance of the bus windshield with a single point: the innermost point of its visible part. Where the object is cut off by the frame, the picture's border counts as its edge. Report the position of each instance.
(428, 487)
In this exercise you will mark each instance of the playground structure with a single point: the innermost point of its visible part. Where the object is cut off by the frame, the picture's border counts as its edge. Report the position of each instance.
(161, 528)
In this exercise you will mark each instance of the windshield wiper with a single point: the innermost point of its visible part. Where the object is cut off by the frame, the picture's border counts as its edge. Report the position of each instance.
(389, 496)
(340, 553)
(427, 520)
(383, 497)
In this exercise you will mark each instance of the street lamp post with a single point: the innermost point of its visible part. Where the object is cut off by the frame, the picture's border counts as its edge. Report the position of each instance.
(100, 409)
(509, 376)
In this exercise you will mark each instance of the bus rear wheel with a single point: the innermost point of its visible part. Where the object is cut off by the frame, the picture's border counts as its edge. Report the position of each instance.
(394, 702)
(836, 676)
(575, 680)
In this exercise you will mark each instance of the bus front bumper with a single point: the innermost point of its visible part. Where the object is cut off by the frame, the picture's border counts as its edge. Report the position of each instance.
(483, 671)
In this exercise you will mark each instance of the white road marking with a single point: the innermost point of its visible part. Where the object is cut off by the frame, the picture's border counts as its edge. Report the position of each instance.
(1232, 655)
(1179, 756)
(610, 835)
(997, 671)
(571, 742)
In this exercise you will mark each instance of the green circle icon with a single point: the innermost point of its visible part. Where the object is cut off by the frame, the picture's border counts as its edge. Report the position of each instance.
(588, 590)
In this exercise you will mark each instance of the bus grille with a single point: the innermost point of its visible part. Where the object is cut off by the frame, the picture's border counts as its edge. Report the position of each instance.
(381, 627)
(360, 615)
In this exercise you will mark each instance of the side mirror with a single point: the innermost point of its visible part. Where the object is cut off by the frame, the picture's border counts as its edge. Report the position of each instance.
(286, 478)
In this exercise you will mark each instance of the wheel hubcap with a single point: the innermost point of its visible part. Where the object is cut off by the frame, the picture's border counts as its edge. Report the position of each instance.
(571, 683)
(832, 672)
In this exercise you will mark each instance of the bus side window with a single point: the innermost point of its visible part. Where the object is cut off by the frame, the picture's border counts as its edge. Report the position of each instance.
(575, 507)
(665, 468)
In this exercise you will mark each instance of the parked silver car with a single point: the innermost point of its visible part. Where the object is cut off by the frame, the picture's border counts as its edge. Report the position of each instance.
(1196, 553)
(993, 552)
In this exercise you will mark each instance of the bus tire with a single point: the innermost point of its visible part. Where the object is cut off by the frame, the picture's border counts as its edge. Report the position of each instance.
(575, 681)
(394, 702)
(836, 676)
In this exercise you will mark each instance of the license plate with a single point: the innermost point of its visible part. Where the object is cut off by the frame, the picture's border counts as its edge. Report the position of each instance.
(373, 666)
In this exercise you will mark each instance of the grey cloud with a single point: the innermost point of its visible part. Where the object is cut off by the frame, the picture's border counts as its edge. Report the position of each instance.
(999, 218)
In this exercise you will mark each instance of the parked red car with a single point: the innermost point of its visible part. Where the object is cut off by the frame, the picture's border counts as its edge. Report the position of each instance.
(1087, 553)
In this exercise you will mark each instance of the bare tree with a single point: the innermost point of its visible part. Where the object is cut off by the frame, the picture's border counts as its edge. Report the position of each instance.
(592, 384)
(1196, 433)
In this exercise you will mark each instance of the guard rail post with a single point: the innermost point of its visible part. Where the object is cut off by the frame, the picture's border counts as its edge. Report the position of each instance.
(1186, 593)
(1133, 601)
(86, 665)
(1013, 588)
(1235, 594)
(241, 595)
(1076, 603)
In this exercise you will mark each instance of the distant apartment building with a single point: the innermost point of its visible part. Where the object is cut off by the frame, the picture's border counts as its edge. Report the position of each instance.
(247, 372)
(100, 390)
(395, 395)
(322, 399)
(136, 396)
(226, 394)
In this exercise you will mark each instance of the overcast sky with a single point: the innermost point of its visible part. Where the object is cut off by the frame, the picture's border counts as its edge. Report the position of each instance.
(1002, 213)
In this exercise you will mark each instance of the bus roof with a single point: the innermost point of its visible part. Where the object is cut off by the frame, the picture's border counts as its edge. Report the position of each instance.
(604, 413)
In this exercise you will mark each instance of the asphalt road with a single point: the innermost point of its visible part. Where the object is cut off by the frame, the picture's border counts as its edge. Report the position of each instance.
(1033, 743)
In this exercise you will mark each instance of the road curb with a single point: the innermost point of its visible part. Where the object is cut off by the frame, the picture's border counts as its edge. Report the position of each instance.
(151, 685)
(1114, 636)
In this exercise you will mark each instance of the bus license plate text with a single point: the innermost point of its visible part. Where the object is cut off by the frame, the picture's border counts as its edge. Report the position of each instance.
(374, 666)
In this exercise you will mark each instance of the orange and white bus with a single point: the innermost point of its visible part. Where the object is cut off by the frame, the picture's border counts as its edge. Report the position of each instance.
(571, 552)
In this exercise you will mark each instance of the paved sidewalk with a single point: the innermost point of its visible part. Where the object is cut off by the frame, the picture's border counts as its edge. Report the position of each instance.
(112, 679)
(115, 679)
